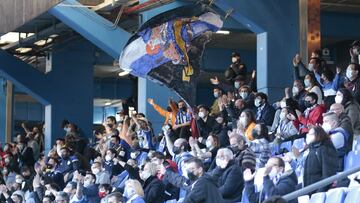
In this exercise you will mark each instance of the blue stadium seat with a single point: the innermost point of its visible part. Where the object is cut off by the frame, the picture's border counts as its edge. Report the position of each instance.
(319, 197)
(336, 195)
(352, 160)
(304, 199)
(353, 195)
(286, 145)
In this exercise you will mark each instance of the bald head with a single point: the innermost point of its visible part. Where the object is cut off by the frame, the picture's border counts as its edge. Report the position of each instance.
(180, 142)
(337, 108)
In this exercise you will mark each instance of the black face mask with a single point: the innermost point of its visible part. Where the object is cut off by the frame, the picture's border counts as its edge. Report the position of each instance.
(235, 149)
(192, 177)
(169, 109)
(110, 125)
(183, 109)
(308, 104)
(255, 134)
(176, 150)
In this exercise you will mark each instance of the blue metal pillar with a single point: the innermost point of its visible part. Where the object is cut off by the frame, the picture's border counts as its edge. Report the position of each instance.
(276, 23)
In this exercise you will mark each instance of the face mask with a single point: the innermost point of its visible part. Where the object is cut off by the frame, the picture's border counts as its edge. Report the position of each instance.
(356, 51)
(295, 90)
(221, 163)
(201, 114)
(208, 144)
(235, 149)
(87, 183)
(108, 158)
(338, 99)
(48, 193)
(144, 175)
(128, 192)
(176, 150)
(216, 94)
(282, 104)
(133, 155)
(244, 95)
(102, 194)
(282, 116)
(307, 82)
(308, 104)
(255, 134)
(192, 177)
(237, 85)
(233, 59)
(183, 109)
(95, 171)
(7, 160)
(110, 125)
(310, 139)
(169, 109)
(243, 121)
(327, 127)
(311, 67)
(273, 173)
(257, 102)
(350, 74)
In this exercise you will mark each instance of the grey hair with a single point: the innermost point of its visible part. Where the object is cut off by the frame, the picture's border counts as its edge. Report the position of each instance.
(227, 152)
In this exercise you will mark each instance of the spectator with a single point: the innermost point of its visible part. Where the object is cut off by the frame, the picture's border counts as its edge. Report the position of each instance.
(115, 197)
(244, 155)
(102, 176)
(203, 188)
(246, 124)
(205, 122)
(169, 113)
(62, 197)
(322, 161)
(352, 108)
(133, 192)
(261, 145)
(153, 187)
(344, 119)
(299, 93)
(276, 180)
(353, 80)
(208, 155)
(340, 138)
(228, 175)
(286, 128)
(215, 110)
(312, 115)
(329, 84)
(265, 112)
(182, 124)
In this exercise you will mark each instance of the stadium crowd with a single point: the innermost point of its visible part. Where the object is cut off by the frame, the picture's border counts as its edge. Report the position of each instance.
(229, 152)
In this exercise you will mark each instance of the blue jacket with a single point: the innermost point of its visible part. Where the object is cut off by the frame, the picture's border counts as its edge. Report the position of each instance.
(266, 115)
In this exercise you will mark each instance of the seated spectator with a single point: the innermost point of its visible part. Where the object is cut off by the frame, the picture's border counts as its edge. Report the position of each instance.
(104, 190)
(276, 181)
(312, 115)
(322, 161)
(244, 156)
(286, 128)
(261, 145)
(353, 80)
(203, 188)
(248, 96)
(265, 112)
(109, 166)
(133, 192)
(154, 189)
(169, 113)
(215, 110)
(312, 87)
(102, 176)
(228, 175)
(205, 122)
(246, 124)
(115, 197)
(344, 119)
(62, 197)
(352, 108)
(340, 138)
(233, 110)
(208, 155)
(298, 94)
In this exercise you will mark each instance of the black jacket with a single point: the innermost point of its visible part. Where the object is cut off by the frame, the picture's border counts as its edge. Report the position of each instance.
(286, 184)
(321, 162)
(154, 190)
(230, 181)
(266, 115)
(206, 127)
(204, 190)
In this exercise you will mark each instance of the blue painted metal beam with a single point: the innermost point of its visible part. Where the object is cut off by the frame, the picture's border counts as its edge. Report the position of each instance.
(92, 26)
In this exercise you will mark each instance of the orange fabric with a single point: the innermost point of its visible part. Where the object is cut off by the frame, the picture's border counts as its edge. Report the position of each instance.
(248, 131)
(166, 114)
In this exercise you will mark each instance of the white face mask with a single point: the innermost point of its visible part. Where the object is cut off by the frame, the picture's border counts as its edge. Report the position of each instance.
(216, 94)
(201, 114)
(208, 144)
(295, 90)
(327, 127)
(307, 83)
(95, 171)
(133, 155)
(244, 95)
(257, 102)
(87, 183)
(108, 158)
(144, 175)
(273, 173)
(221, 163)
(338, 99)
(310, 139)
(282, 116)
(350, 74)
(234, 59)
(282, 104)
(311, 67)
(237, 85)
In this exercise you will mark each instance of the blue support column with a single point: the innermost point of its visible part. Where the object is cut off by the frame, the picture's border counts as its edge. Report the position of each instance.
(2, 110)
(276, 22)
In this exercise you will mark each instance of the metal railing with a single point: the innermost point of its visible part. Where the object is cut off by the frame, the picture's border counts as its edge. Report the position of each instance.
(306, 190)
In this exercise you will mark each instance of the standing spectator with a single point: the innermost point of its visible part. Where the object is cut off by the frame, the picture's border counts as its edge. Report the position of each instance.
(169, 113)
(265, 112)
(206, 123)
(353, 80)
(182, 124)
(153, 187)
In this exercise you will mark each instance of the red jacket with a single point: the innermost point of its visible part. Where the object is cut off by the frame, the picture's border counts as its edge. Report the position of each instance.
(314, 118)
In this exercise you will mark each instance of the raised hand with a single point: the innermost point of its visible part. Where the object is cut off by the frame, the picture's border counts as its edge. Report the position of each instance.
(248, 175)
(214, 81)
